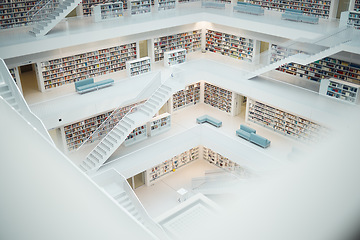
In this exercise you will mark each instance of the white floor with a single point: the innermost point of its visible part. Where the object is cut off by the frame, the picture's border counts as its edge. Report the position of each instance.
(162, 196)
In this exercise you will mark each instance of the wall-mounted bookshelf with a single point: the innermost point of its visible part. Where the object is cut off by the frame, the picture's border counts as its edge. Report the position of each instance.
(108, 11)
(171, 165)
(229, 45)
(66, 70)
(222, 162)
(87, 5)
(319, 8)
(354, 19)
(341, 90)
(324, 68)
(76, 133)
(138, 66)
(188, 1)
(174, 57)
(357, 6)
(278, 53)
(218, 97)
(139, 6)
(187, 97)
(191, 41)
(166, 4)
(137, 135)
(282, 122)
(13, 13)
(159, 124)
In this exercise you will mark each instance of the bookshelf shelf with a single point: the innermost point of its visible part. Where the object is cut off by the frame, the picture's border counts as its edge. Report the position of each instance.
(340, 90)
(319, 8)
(139, 6)
(137, 135)
(220, 161)
(174, 57)
(159, 124)
(189, 96)
(218, 97)
(76, 133)
(87, 5)
(282, 122)
(160, 170)
(324, 68)
(191, 41)
(354, 19)
(13, 12)
(357, 6)
(138, 66)
(229, 45)
(166, 4)
(107, 11)
(66, 70)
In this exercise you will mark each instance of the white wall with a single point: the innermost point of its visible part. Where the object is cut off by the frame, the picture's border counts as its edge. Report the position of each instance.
(45, 196)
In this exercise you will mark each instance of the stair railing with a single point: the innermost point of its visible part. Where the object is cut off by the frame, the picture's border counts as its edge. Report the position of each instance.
(290, 47)
(112, 176)
(110, 122)
(29, 116)
(42, 10)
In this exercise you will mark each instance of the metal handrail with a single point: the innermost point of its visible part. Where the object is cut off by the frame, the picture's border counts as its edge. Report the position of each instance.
(112, 115)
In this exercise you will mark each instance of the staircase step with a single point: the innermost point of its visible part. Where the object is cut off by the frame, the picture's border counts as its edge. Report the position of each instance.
(125, 124)
(148, 104)
(157, 98)
(85, 165)
(97, 154)
(153, 101)
(166, 88)
(114, 134)
(147, 109)
(108, 143)
(104, 147)
(163, 91)
(90, 162)
(122, 128)
(146, 113)
(118, 131)
(83, 168)
(127, 119)
(111, 138)
(161, 95)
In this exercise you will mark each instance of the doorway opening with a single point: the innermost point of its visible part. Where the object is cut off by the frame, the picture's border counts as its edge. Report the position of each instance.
(28, 79)
(343, 6)
(137, 181)
(264, 47)
(143, 45)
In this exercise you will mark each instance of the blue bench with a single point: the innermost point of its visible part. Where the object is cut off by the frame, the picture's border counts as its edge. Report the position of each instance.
(88, 85)
(213, 4)
(249, 134)
(298, 16)
(208, 119)
(249, 8)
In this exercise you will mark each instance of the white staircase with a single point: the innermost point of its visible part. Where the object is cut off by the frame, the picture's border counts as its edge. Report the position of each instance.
(300, 58)
(7, 95)
(124, 200)
(43, 26)
(108, 145)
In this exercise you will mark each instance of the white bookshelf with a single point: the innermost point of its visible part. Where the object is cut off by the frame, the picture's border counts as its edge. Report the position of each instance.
(108, 11)
(137, 135)
(166, 4)
(159, 124)
(140, 6)
(218, 160)
(341, 90)
(87, 5)
(229, 45)
(354, 19)
(218, 97)
(138, 66)
(155, 173)
(324, 68)
(13, 13)
(282, 122)
(16, 76)
(187, 97)
(320, 8)
(174, 57)
(61, 71)
(191, 41)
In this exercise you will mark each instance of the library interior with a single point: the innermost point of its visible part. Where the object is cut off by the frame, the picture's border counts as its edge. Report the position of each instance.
(179, 119)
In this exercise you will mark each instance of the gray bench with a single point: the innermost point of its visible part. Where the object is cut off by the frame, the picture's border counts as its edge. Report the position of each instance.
(298, 16)
(249, 134)
(244, 7)
(88, 85)
(208, 119)
(212, 4)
